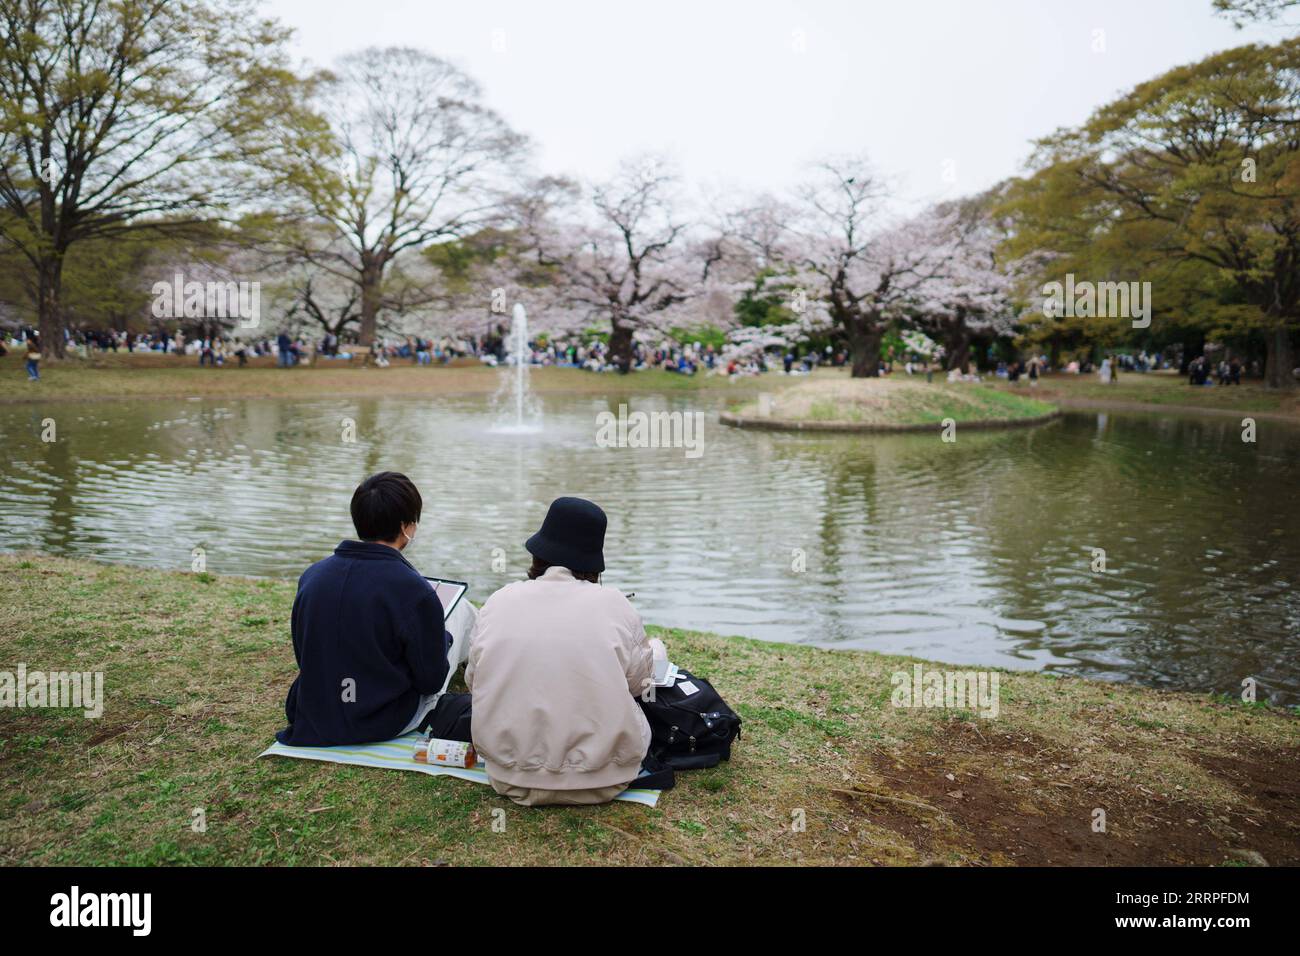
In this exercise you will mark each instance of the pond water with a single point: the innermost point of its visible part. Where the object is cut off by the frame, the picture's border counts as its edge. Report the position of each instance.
(977, 552)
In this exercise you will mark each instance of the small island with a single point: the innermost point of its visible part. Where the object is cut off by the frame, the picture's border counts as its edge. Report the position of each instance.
(887, 405)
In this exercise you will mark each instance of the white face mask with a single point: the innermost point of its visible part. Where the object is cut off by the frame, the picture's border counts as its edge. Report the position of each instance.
(410, 538)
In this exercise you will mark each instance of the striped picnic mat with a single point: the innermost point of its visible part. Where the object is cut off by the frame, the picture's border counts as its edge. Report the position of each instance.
(396, 755)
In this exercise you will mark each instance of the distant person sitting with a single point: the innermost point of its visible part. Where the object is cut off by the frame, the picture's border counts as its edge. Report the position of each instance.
(368, 635)
(554, 664)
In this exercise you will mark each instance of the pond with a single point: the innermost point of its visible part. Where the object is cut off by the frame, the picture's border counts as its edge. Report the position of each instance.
(977, 552)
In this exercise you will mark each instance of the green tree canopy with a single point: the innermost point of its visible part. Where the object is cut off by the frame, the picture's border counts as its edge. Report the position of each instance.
(1200, 165)
(116, 115)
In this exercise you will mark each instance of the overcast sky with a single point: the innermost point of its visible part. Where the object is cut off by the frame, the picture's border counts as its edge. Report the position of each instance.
(944, 95)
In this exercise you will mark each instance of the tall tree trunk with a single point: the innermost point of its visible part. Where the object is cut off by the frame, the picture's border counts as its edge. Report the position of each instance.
(1054, 354)
(620, 345)
(1193, 345)
(1279, 358)
(372, 280)
(957, 345)
(369, 317)
(864, 343)
(49, 306)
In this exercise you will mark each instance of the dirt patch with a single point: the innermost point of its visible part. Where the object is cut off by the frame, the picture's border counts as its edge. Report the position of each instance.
(979, 796)
(1270, 782)
(107, 734)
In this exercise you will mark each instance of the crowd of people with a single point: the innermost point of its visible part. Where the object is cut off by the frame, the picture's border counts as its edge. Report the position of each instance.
(593, 354)
(1202, 371)
(669, 356)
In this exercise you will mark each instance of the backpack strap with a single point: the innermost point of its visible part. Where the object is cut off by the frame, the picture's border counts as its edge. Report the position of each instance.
(655, 775)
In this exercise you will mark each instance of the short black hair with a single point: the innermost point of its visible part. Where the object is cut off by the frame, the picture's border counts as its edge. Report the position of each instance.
(540, 566)
(382, 504)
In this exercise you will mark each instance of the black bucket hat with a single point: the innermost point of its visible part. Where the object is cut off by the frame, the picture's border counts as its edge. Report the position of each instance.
(572, 536)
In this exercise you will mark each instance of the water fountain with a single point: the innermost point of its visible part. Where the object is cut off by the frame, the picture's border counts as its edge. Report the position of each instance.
(514, 395)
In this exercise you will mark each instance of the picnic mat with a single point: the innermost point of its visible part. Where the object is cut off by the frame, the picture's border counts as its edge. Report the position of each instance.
(396, 755)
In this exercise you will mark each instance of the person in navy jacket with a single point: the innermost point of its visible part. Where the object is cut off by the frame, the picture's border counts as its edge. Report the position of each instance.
(368, 634)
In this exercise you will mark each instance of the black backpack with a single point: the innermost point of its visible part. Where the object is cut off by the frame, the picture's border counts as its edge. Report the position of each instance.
(691, 727)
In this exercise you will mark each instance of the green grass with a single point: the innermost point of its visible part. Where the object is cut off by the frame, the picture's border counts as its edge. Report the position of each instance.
(148, 376)
(1161, 390)
(158, 376)
(832, 397)
(196, 668)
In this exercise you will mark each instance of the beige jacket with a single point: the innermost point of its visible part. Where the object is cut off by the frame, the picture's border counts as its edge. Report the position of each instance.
(553, 667)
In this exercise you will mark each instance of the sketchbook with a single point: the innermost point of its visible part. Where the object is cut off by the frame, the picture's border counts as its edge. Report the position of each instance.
(449, 593)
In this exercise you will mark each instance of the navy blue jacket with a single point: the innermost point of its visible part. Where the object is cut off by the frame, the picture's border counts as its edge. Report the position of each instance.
(364, 614)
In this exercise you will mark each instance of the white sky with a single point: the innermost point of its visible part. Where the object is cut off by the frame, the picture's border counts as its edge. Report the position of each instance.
(722, 87)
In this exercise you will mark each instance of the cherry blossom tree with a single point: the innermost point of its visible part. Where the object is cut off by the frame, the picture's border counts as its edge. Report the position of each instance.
(971, 292)
(847, 265)
(756, 267)
(479, 301)
(627, 255)
(867, 271)
(481, 277)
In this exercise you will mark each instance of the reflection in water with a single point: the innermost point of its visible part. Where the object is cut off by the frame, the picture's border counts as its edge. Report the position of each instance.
(975, 552)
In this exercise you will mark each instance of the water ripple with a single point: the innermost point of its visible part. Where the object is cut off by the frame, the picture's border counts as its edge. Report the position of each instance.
(979, 552)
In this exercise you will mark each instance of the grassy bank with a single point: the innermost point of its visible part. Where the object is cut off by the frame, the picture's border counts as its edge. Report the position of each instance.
(828, 395)
(196, 667)
(833, 399)
(160, 376)
(1158, 391)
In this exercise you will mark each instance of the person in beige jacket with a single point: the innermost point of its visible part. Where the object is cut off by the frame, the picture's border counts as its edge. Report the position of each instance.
(554, 665)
